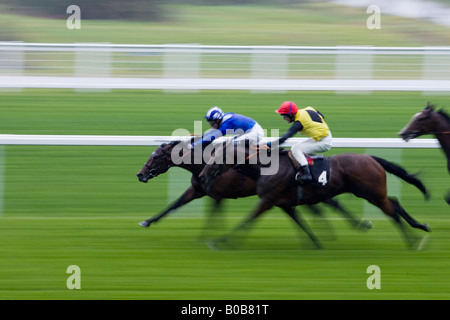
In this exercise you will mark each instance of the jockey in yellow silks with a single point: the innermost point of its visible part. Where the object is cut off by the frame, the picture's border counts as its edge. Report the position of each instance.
(311, 123)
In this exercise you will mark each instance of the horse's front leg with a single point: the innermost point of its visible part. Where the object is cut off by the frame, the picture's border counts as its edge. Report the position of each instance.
(236, 236)
(290, 210)
(190, 194)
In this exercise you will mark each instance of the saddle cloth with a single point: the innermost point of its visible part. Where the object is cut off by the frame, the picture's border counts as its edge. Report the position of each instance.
(319, 167)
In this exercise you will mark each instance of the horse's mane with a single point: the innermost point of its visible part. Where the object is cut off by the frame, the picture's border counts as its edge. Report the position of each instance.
(171, 143)
(444, 114)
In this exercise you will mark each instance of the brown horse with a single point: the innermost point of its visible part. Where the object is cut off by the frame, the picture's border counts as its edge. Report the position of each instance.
(161, 161)
(232, 184)
(359, 174)
(429, 121)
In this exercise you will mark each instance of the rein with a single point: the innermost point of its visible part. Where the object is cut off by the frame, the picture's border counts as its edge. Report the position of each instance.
(217, 172)
(255, 147)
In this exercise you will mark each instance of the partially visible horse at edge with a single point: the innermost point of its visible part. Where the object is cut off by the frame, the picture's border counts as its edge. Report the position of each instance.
(230, 185)
(360, 174)
(429, 121)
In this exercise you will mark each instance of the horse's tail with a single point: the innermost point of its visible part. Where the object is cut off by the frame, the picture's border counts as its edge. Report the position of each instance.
(403, 174)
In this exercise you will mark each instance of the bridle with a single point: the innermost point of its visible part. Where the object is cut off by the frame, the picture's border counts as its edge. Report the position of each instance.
(435, 132)
(156, 170)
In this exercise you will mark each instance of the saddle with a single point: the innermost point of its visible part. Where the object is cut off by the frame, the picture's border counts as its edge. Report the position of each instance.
(319, 167)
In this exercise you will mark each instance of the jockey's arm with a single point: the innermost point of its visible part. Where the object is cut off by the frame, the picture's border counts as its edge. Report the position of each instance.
(296, 127)
(208, 137)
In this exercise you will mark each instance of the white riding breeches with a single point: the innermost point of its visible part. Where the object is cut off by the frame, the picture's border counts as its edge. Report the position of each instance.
(254, 135)
(310, 146)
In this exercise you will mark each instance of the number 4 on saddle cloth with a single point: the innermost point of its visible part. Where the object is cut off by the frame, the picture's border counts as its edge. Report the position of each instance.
(319, 167)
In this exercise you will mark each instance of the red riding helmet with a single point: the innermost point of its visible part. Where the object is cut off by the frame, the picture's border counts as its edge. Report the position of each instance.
(287, 107)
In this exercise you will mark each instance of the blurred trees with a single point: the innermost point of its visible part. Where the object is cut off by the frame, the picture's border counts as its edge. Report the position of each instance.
(146, 10)
(90, 9)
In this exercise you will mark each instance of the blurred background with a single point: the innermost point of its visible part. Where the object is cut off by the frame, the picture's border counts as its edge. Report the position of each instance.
(253, 22)
(146, 68)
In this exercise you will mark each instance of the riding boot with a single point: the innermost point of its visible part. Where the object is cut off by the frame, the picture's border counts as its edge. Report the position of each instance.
(305, 174)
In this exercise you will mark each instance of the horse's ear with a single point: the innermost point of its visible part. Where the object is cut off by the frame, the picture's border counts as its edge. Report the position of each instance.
(429, 106)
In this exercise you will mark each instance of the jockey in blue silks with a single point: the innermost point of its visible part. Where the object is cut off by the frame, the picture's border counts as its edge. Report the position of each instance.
(244, 128)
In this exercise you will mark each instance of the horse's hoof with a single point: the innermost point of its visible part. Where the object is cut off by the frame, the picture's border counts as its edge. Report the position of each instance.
(447, 199)
(422, 243)
(144, 224)
(212, 245)
(366, 225)
(318, 245)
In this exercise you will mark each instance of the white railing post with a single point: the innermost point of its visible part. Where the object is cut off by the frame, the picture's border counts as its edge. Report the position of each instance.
(252, 68)
(436, 66)
(90, 62)
(181, 64)
(394, 185)
(268, 65)
(351, 65)
(12, 62)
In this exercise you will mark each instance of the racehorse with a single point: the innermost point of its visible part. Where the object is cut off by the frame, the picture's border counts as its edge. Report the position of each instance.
(360, 174)
(429, 121)
(232, 184)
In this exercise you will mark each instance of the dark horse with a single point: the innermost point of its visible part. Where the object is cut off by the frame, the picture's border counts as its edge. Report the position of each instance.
(232, 184)
(359, 174)
(433, 122)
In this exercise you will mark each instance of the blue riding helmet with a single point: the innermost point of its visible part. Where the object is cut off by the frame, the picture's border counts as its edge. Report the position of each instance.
(215, 113)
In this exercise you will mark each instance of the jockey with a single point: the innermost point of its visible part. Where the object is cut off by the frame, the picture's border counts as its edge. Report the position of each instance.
(244, 128)
(310, 122)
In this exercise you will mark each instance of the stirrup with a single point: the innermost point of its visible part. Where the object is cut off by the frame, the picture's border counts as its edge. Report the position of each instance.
(300, 193)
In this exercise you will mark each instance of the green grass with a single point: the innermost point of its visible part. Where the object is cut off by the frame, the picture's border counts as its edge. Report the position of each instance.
(320, 24)
(81, 206)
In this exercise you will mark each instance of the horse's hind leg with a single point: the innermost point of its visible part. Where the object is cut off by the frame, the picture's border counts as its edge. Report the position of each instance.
(214, 222)
(302, 224)
(237, 235)
(412, 222)
(357, 223)
(393, 209)
(322, 220)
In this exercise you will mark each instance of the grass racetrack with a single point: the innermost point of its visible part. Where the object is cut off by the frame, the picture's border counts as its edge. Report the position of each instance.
(81, 205)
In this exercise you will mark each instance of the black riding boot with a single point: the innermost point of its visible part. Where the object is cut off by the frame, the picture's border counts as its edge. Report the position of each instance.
(305, 175)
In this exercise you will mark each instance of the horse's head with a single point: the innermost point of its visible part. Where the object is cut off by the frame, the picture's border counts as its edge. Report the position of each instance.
(159, 162)
(421, 123)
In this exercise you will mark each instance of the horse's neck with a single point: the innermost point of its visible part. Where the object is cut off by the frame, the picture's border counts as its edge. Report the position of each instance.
(444, 139)
(192, 168)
